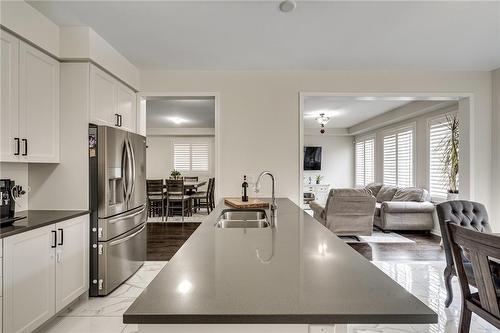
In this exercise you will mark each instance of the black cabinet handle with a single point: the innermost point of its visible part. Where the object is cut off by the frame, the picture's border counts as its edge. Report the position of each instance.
(25, 141)
(121, 120)
(18, 146)
(54, 244)
(61, 242)
(117, 120)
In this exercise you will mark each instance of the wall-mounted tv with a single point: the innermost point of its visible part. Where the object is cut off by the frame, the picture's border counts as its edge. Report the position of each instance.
(312, 158)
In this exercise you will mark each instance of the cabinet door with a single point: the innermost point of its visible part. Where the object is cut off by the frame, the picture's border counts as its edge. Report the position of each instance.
(29, 279)
(102, 98)
(9, 111)
(72, 260)
(38, 106)
(126, 107)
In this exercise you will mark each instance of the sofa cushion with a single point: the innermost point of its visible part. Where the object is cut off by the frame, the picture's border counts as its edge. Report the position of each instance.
(386, 193)
(410, 194)
(374, 188)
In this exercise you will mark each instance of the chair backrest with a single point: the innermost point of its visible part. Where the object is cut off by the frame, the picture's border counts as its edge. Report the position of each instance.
(480, 248)
(350, 201)
(175, 186)
(154, 186)
(468, 214)
(191, 179)
(211, 187)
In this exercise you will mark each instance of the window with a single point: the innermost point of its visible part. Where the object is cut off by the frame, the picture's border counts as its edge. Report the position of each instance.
(439, 132)
(191, 157)
(398, 157)
(365, 161)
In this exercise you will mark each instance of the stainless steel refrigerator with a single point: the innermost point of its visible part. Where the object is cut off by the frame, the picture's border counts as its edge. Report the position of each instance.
(117, 166)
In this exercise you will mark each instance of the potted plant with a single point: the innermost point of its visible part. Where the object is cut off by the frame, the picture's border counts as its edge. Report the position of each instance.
(175, 174)
(450, 146)
(318, 179)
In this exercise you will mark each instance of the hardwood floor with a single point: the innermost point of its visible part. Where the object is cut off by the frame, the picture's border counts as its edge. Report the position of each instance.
(426, 248)
(165, 239)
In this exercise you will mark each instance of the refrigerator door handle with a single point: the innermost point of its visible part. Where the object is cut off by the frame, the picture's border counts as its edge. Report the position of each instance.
(125, 162)
(132, 164)
(121, 240)
(139, 212)
(129, 170)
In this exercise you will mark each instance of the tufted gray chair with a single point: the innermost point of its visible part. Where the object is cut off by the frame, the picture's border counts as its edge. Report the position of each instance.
(470, 215)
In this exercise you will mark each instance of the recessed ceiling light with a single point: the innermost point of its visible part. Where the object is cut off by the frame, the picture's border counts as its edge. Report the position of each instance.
(177, 120)
(287, 6)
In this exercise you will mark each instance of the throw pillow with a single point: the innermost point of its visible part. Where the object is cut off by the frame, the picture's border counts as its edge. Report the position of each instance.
(410, 194)
(374, 188)
(386, 193)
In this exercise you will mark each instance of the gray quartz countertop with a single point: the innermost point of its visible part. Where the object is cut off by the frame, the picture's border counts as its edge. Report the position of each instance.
(296, 273)
(39, 218)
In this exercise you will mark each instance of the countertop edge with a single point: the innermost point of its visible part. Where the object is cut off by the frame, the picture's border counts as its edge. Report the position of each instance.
(319, 319)
(73, 214)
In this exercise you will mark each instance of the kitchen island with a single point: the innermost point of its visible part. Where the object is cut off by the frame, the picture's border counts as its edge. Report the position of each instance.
(284, 278)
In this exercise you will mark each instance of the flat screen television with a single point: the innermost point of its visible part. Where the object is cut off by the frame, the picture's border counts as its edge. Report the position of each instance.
(312, 158)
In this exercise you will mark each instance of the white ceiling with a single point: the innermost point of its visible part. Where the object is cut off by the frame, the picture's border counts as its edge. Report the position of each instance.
(345, 112)
(212, 35)
(188, 112)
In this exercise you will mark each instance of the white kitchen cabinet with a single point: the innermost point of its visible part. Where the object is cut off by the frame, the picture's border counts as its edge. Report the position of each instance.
(9, 112)
(111, 102)
(126, 107)
(72, 260)
(30, 103)
(45, 269)
(29, 276)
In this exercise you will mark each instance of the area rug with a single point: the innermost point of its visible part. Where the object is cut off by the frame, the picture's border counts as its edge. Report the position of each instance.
(380, 237)
(196, 217)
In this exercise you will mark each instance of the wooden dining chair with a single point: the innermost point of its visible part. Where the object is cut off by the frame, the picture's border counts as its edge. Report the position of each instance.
(202, 199)
(212, 194)
(156, 197)
(483, 251)
(190, 191)
(175, 194)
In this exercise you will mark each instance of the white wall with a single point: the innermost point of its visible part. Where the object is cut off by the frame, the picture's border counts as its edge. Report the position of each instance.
(159, 156)
(19, 173)
(29, 23)
(259, 115)
(337, 161)
(421, 145)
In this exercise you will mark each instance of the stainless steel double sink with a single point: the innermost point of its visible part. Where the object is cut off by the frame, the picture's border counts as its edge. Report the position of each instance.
(236, 218)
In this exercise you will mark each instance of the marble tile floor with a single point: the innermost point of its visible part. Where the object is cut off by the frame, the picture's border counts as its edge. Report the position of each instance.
(421, 278)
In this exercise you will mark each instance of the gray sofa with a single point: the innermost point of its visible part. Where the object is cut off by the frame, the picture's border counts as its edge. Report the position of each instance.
(348, 212)
(402, 208)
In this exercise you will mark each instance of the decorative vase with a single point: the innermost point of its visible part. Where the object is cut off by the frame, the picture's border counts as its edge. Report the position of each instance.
(452, 196)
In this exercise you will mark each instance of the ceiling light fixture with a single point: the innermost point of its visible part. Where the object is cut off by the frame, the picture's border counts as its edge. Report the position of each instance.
(322, 121)
(287, 6)
(177, 120)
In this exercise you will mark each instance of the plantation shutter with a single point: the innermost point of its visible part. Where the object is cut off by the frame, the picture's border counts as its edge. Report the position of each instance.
(369, 161)
(390, 161)
(405, 158)
(199, 157)
(439, 132)
(398, 158)
(365, 161)
(360, 163)
(182, 159)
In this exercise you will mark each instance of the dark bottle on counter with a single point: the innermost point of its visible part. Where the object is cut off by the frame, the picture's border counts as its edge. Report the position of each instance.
(244, 188)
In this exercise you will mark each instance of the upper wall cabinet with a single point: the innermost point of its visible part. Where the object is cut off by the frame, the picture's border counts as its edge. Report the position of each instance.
(111, 102)
(30, 103)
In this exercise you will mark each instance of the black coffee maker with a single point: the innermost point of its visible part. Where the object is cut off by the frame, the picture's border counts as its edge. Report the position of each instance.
(8, 192)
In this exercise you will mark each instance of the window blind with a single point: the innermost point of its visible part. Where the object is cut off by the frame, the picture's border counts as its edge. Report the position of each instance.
(398, 158)
(199, 157)
(182, 152)
(439, 132)
(365, 161)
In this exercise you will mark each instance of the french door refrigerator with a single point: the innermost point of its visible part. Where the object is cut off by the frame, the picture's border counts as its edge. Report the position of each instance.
(117, 167)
